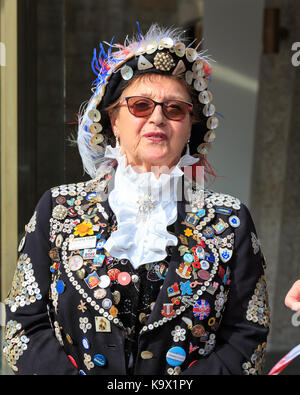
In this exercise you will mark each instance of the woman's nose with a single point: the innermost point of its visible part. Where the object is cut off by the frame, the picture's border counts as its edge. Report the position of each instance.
(157, 116)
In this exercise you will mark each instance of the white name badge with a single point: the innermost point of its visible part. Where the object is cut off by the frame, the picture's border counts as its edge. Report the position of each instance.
(82, 243)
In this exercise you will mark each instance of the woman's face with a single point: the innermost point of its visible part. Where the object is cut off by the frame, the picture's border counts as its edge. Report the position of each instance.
(155, 140)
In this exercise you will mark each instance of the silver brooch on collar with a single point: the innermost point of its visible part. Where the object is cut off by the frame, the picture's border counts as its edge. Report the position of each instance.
(146, 205)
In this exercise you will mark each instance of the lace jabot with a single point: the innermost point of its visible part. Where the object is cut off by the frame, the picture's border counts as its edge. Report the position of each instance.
(144, 207)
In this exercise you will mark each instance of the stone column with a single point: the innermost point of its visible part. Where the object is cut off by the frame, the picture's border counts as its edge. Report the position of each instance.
(275, 181)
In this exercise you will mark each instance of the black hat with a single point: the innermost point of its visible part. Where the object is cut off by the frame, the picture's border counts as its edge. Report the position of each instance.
(160, 51)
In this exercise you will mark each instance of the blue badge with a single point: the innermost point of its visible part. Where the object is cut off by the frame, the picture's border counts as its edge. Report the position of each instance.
(192, 219)
(223, 210)
(201, 213)
(188, 257)
(99, 360)
(109, 259)
(92, 280)
(209, 257)
(106, 303)
(208, 232)
(175, 356)
(91, 196)
(201, 309)
(85, 343)
(185, 288)
(71, 202)
(100, 244)
(234, 221)
(60, 286)
(225, 254)
(200, 252)
(98, 259)
(220, 226)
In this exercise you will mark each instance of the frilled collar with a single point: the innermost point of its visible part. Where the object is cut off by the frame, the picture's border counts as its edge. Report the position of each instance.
(144, 206)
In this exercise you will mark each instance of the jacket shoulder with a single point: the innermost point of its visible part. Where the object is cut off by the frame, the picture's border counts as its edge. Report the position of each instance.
(98, 184)
(197, 195)
(222, 199)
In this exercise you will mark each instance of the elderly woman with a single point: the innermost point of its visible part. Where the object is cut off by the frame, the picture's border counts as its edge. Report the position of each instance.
(141, 270)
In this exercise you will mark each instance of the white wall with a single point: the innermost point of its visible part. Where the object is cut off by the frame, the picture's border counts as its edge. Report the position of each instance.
(233, 37)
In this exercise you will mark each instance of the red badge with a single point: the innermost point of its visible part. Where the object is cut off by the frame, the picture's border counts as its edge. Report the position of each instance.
(168, 310)
(124, 278)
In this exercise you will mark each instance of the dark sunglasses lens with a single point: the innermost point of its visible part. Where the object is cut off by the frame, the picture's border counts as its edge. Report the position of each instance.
(175, 111)
(140, 107)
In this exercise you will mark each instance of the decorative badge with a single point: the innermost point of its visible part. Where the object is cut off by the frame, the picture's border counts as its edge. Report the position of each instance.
(168, 310)
(173, 290)
(220, 226)
(225, 254)
(102, 324)
(92, 280)
(201, 309)
(175, 356)
(184, 270)
(191, 219)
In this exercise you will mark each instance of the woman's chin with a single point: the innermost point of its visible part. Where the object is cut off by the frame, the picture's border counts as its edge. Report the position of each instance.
(158, 159)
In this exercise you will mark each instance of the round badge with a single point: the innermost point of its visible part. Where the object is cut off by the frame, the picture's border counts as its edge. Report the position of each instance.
(204, 265)
(99, 360)
(201, 309)
(175, 356)
(99, 293)
(234, 221)
(198, 330)
(60, 286)
(135, 278)
(113, 274)
(85, 343)
(200, 252)
(124, 278)
(188, 257)
(75, 262)
(104, 281)
(106, 303)
(208, 232)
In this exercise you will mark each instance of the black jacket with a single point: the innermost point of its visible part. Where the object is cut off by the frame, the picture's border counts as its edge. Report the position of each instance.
(203, 310)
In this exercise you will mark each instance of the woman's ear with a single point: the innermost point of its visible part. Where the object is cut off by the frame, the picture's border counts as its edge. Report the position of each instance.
(113, 116)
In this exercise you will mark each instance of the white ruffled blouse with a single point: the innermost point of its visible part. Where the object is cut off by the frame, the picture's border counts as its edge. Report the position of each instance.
(144, 207)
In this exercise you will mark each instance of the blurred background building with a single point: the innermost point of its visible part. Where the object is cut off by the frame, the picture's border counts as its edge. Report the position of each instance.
(46, 48)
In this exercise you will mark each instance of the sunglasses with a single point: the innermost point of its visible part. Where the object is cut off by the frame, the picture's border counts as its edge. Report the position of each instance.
(142, 107)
